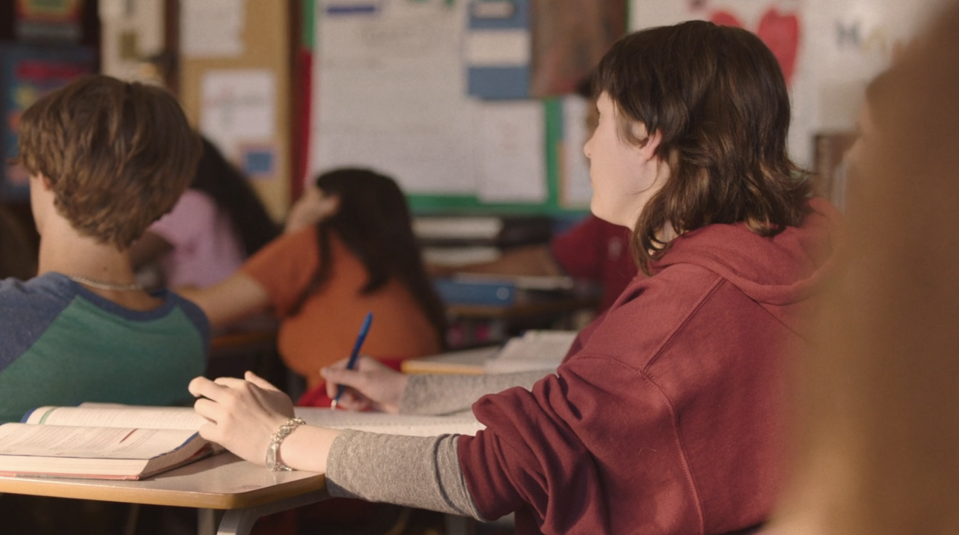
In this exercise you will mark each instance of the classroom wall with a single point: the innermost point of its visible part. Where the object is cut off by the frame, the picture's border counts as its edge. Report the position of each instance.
(840, 46)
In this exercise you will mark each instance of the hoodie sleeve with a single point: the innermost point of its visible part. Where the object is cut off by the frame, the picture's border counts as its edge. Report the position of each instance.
(548, 449)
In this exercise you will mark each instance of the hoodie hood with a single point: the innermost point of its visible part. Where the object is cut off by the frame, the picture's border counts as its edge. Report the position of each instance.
(779, 271)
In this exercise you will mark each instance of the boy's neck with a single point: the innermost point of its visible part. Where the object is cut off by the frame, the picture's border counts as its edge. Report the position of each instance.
(64, 250)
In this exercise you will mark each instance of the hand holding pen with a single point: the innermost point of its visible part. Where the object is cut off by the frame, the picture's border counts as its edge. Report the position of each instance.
(351, 364)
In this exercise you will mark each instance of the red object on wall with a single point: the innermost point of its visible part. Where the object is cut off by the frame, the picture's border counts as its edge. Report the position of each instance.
(780, 32)
(301, 146)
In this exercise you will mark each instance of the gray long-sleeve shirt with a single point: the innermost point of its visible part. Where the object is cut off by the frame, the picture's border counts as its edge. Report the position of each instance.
(420, 472)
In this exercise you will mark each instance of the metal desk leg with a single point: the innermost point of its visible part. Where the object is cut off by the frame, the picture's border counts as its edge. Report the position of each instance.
(240, 521)
(207, 519)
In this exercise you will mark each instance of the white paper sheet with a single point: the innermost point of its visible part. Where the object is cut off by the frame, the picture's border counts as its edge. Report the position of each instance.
(391, 96)
(237, 107)
(513, 146)
(212, 28)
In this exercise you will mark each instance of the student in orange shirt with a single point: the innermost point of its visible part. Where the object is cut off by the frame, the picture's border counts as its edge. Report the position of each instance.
(321, 280)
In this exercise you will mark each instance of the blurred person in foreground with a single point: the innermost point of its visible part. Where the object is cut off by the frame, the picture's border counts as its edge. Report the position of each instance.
(877, 447)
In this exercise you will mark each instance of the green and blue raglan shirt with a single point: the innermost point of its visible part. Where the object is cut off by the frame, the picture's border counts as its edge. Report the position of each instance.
(61, 344)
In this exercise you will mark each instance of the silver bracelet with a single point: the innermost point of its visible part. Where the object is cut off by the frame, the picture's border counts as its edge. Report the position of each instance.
(272, 459)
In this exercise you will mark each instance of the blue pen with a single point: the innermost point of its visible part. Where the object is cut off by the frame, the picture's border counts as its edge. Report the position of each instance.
(356, 352)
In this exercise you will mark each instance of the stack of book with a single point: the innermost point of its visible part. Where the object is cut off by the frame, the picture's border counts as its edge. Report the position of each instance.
(460, 240)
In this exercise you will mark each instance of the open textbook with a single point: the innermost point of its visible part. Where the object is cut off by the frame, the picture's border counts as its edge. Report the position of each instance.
(101, 441)
(107, 441)
(534, 350)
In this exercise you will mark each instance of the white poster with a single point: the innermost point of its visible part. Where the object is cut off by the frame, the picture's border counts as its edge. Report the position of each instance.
(852, 41)
(237, 107)
(390, 93)
(513, 160)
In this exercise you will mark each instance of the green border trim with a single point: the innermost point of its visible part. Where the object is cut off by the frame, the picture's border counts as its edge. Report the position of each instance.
(308, 27)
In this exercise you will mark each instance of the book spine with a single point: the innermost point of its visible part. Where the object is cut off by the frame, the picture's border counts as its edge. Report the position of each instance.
(476, 293)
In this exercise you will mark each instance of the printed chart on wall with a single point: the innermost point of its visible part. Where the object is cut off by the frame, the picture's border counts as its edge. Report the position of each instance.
(779, 23)
(390, 93)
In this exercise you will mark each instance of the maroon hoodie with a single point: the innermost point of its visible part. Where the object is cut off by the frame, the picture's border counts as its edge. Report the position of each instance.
(668, 415)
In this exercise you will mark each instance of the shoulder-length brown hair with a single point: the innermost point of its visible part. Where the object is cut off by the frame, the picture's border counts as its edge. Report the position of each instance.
(719, 99)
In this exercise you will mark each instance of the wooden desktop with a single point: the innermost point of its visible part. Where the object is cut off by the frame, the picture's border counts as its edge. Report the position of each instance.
(224, 482)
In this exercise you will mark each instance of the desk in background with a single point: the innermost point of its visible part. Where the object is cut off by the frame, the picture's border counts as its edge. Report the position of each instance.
(489, 309)
(476, 325)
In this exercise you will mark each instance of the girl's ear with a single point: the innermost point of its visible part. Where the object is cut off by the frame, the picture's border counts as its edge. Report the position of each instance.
(651, 144)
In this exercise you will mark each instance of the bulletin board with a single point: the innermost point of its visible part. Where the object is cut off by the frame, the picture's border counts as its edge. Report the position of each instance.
(426, 91)
(235, 86)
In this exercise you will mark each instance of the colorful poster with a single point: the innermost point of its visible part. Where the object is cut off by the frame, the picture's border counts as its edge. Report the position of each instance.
(49, 20)
(27, 74)
(497, 49)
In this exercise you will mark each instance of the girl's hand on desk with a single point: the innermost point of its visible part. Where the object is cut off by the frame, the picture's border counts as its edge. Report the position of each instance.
(370, 385)
(243, 414)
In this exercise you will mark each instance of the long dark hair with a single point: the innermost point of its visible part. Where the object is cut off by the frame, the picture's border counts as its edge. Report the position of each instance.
(374, 223)
(718, 97)
(233, 194)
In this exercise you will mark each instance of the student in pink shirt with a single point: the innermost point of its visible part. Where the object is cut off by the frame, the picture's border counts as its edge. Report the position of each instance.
(216, 224)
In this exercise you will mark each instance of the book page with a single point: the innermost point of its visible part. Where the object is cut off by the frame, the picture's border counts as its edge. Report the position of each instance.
(89, 442)
(109, 415)
(390, 424)
(535, 350)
